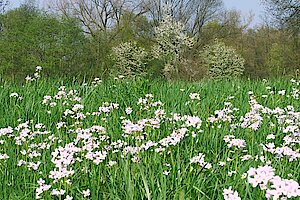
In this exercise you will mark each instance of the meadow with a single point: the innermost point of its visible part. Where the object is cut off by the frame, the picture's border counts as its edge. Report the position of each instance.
(125, 139)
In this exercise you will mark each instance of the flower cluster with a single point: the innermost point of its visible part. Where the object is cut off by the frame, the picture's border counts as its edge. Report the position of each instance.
(223, 115)
(275, 186)
(36, 75)
(200, 161)
(229, 194)
(194, 96)
(233, 142)
(253, 118)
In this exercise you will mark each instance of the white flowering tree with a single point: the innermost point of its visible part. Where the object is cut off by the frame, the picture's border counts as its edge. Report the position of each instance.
(222, 61)
(171, 42)
(130, 60)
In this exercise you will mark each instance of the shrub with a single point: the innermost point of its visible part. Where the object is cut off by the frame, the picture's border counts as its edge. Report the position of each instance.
(130, 60)
(222, 61)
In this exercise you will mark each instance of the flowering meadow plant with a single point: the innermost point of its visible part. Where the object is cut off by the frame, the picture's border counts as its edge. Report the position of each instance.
(36, 75)
(123, 140)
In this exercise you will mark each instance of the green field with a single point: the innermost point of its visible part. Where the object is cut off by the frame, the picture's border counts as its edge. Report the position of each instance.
(125, 139)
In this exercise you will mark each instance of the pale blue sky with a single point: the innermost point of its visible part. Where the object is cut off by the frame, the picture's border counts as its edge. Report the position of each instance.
(245, 6)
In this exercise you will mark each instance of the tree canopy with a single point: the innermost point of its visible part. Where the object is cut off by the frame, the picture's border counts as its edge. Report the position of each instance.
(81, 37)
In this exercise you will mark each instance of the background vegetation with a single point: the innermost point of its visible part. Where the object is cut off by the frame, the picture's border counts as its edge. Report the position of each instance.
(79, 37)
(167, 174)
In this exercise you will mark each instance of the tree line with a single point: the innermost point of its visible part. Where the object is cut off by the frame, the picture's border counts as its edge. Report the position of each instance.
(99, 38)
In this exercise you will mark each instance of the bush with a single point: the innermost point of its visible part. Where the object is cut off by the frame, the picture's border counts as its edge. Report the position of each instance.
(222, 61)
(130, 60)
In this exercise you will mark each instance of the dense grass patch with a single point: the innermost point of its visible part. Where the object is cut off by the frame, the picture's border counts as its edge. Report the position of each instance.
(124, 139)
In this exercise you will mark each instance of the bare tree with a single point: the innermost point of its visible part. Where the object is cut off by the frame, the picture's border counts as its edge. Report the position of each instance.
(285, 12)
(3, 5)
(234, 18)
(95, 15)
(193, 13)
(102, 15)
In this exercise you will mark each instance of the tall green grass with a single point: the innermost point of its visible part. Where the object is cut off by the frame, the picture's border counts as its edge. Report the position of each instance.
(145, 180)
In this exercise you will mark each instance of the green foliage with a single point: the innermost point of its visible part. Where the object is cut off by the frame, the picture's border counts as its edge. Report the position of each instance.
(31, 38)
(222, 61)
(276, 60)
(130, 60)
(64, 47)
(282, 59)
(133, 27)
